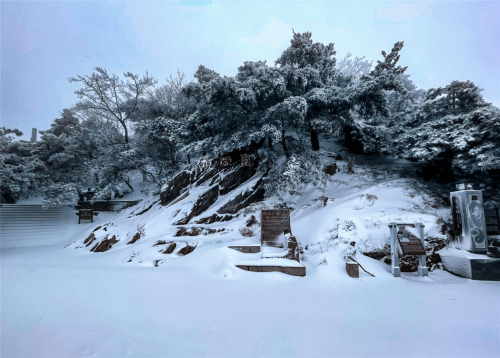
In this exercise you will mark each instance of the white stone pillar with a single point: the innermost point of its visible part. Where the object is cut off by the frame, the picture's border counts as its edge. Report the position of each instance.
(395, 270)
(422, 259)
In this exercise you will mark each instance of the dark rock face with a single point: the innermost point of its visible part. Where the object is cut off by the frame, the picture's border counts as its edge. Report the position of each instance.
(205, 201)
(186, 250)
(244, 199)
(105, 245)
(170, 248)
(214, 218)
(232, 180)
(135, 238)
(208, 175)
(195, 231)
(176, 185)
(89, 240)
(331, 169)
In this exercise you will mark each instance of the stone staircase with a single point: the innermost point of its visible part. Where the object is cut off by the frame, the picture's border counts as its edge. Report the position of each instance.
(27, 220)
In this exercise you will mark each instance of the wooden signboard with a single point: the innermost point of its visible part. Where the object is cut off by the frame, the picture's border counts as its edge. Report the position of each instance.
(85, 214)
(274, 223)
(410, 244)
(492, 221)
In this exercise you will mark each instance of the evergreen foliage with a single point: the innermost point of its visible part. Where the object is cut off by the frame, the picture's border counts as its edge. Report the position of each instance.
(125, 126)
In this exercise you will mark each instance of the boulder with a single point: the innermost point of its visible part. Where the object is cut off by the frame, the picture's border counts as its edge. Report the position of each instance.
(331, 169)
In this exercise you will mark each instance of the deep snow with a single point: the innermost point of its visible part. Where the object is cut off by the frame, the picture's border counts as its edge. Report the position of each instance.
(58, 299)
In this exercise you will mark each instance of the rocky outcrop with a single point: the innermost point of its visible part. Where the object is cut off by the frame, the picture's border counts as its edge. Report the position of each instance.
(223, 175)
(170, 248)
(204, 201)
(214, 218)
(195, 231)
(242, 200)
(135, 238)
(186, 250)
(175, 187)
(105, 245)
(89, 240)
(237, 177)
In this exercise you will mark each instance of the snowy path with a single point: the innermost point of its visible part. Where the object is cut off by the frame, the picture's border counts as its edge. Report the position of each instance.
(60, 303)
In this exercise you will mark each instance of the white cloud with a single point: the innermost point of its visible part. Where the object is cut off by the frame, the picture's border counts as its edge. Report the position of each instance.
(403, 11)
(276, 34)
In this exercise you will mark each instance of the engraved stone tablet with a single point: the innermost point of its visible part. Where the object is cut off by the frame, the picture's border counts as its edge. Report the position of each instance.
(492, 221)
(410, 244)
(274, 223)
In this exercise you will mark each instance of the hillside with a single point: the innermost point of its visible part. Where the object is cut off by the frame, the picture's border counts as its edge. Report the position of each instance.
(137, 300)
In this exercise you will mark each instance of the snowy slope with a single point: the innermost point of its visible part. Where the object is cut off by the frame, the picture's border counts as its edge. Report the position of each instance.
(59, 299)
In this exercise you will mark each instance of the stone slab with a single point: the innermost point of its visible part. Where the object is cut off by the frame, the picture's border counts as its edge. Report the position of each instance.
(481, 268)
(273, 223)
(248, 249)
(289, 270)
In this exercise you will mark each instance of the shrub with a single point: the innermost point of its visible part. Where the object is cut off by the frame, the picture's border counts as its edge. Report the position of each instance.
(247, 232)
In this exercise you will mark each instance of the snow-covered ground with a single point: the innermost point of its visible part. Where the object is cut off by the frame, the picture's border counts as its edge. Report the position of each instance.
(58, 299)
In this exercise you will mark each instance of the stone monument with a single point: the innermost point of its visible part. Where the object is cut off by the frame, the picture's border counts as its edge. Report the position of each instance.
(469, 224)
(274, 223)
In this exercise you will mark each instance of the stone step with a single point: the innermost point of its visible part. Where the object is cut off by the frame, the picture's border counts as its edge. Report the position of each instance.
(289, 270)
(248, 249)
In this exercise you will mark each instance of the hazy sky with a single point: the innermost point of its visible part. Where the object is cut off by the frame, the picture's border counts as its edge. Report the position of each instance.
(44, 43)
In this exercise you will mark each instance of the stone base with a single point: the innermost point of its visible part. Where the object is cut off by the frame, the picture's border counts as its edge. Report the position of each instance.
(289, 270)
(248, 249)
(471, 266)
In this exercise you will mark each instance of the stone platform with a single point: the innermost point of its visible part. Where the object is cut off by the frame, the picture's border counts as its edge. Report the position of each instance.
(472, 266)
(255, 262)
(289, 270)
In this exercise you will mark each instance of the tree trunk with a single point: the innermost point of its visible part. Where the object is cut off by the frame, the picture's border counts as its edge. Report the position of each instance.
(126, 131)
(283, 140)
(126, 181)
(270, 143)
(314, 138)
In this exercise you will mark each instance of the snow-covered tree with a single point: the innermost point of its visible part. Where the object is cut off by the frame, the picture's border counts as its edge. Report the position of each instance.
(110, 97)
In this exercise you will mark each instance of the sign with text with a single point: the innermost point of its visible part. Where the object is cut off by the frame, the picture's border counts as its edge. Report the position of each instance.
(410, 244)
(492, 221)
(85, 214)
(273, 223)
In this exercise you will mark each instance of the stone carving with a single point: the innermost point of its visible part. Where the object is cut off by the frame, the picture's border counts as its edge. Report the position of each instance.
(273, 223)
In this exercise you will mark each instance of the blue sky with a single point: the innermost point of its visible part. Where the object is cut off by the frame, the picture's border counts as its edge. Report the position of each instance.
(44, 43)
